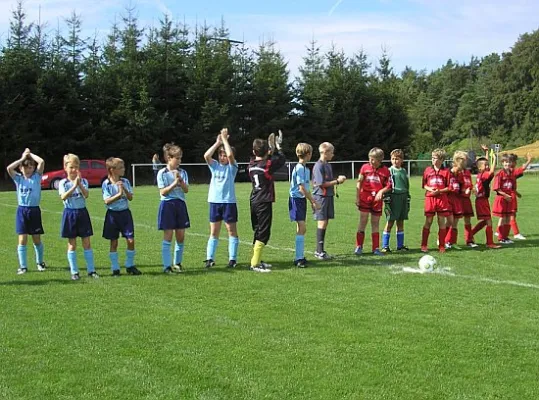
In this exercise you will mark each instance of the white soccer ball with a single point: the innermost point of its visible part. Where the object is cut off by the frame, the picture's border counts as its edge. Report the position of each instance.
(427, 263)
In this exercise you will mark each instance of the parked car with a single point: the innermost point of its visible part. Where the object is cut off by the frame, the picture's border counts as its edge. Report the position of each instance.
(95, 171)
(280, 175)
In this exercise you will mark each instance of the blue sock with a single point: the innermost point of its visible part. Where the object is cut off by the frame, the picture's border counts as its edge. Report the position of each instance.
(165, 254)
(89, 258)
(178, 253)
(21, 251)
(385, 239)
(129, 258)
(233, 243)
(300, 246)
(115, 266)
(400, 239)
(39, 252)
(211, 248)
(72, 260)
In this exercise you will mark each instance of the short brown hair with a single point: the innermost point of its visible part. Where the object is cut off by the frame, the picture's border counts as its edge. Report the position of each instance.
(302, 149)
(397, 153)
(171, 150)
(376, 153)
(28, 162)
(260, 147)
(439, 153)
(113, 163)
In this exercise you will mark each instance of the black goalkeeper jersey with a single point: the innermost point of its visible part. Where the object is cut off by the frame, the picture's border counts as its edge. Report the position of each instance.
(261, 174)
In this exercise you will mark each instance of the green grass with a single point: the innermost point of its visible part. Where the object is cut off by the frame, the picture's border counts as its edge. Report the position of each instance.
(353, 328)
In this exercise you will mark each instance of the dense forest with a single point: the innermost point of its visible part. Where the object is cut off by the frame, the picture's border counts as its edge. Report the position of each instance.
(140, 87)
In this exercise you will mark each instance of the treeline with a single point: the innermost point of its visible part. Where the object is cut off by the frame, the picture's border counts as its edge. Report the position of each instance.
(140, 87)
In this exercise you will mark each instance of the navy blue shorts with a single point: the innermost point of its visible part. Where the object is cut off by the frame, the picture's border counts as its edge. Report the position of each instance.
(227, 212)
(76, 223)
(117, 222)
(172, 215)
(297, 208)
(28, 221)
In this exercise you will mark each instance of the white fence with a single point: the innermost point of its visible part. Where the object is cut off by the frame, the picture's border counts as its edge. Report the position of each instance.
(142, 174)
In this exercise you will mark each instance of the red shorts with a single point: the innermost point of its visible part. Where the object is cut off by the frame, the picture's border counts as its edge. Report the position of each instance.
(455, 205)
(467, 209)
(482, 207)
(368, 204)
(437, 205)
(503, 208)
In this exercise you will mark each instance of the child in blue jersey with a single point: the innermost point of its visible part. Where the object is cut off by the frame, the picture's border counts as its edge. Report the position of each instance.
(76, 222)
(173, 218)
(28, 219)
(117, 193)
(222, 199)
(297, 202)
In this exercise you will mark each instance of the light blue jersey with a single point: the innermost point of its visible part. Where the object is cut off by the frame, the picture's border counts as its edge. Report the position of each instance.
(165, 178)
(222, 183)
(110, 189)
(28, 189)
(76, 200)
(301, 175)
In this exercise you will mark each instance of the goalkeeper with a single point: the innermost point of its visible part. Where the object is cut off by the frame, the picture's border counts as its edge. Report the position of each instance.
(396, 202)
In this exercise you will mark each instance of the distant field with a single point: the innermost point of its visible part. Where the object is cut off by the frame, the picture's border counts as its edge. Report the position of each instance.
(352, 328)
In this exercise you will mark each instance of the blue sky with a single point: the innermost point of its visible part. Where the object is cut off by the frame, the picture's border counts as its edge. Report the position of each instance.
(420, 33)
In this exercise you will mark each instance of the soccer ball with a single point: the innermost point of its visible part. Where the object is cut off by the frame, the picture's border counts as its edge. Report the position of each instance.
(427, 263)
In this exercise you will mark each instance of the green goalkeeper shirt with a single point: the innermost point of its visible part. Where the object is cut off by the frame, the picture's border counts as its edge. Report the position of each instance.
(399, 180)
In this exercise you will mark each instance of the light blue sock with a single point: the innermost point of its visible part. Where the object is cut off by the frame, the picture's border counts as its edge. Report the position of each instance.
(72, 260)
(115, 266)
(300, 247)
(165, 254)
(129, 258)
(233, 243)
(211, 248)
(400, 239)
(178, 253)
(21, 251)
(89, 258)
(39, 252)
(385, 239)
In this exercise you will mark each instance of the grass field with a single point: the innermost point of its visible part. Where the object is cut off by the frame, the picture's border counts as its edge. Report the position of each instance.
(352, 328)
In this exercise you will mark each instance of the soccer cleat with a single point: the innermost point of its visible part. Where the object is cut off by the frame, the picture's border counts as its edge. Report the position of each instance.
(377, 252)
(116, 272)
(21, 271)
(323, 256)
(447, 246)
(424, 249)
(259, 268)
(358, 251)
(265, 265)
(93, 275)
(496, 234)
(167, 270)
(403, 248)
(41, 267)
(519, 236)
(209, 263)
(177, 268)
(494, 246)
(133, 271)
(386, 250)
(232, 264)
(473, 245)
(75, 277)
(506, 241)
(300, 263)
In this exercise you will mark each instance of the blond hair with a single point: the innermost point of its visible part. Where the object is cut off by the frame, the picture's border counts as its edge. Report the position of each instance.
(71, 158)
(459, 158)
(171, 150)
(325, 147)
(439, 153)
(302, 149)
(397, 153)
(376, 153)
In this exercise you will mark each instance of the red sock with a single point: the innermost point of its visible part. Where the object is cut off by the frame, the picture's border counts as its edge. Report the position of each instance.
(375, 240)
(360, 238)
(441, 237)
(468, 235)
(480, 225)
(448, 234)
(490, 234)
(506, 230)
(454, 235)
(425, 236)
(514, 227)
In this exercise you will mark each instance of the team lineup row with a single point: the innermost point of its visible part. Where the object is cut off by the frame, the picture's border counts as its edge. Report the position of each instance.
(379, 190)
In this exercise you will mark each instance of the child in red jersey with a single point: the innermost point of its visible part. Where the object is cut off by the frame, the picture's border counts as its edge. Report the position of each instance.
(454, 199)
(482, 193)
(372, 183)
(436, 184)
(466, 189)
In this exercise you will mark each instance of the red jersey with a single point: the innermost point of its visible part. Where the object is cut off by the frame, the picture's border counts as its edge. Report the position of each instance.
(466, 183)
(435, 179)
(505, 182)
(482, 185)
(455, 180)
(374, 179)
